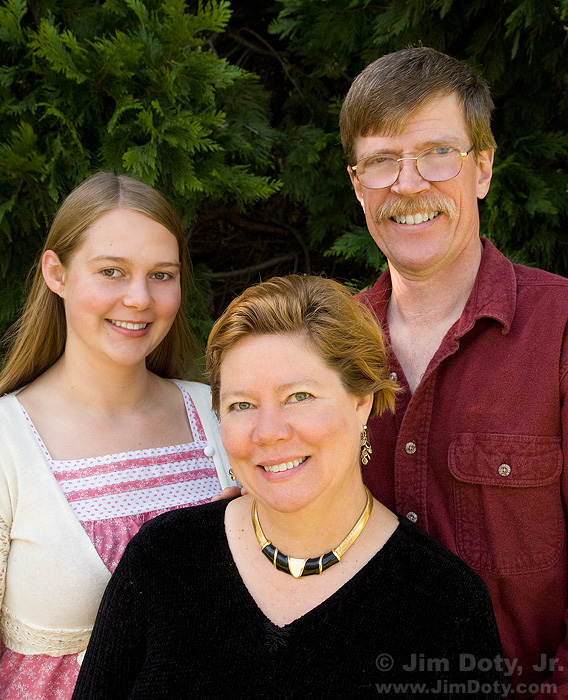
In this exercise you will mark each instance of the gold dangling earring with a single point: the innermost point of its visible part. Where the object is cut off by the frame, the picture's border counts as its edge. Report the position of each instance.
(366, 449)
(232, 475)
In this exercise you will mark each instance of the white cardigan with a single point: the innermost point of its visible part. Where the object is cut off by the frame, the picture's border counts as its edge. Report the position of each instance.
(51, 577)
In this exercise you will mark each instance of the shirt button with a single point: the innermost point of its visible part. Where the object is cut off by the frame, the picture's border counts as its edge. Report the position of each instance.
(410, 448)
(504, 470)
(411, 515)
(393, 376)
(209, 451)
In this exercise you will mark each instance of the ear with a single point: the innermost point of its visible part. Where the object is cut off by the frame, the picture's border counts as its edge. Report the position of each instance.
(363, 407)
(485, 170)
(53, 272)
(356, 186)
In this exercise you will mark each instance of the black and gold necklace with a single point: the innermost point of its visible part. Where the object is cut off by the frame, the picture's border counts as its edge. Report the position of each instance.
(309, 567)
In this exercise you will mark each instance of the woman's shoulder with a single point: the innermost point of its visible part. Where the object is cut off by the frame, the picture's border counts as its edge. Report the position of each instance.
(9, 409)
(191, 521)
(200, 394)
(194, 389)
(432, 567)
(179, 539)
(7, 401)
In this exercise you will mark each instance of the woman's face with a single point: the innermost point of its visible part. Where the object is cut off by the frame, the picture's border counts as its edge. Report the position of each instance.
(121, 289)
(291, 431)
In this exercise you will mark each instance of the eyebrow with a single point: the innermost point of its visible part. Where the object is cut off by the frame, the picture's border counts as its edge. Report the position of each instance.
(120, 259)
(286, 386)
(424, 146)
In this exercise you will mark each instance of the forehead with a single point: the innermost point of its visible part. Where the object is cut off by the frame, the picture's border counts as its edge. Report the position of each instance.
(440, 121)
(125, 228)
(270, 359)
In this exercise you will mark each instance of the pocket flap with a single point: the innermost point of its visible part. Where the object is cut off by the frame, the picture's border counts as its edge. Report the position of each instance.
(505, 460)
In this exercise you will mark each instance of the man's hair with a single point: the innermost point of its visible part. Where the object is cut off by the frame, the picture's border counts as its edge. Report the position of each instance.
(342, 332)
(392, 88)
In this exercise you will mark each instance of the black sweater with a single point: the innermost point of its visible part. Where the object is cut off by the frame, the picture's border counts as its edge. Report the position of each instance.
(177, 622)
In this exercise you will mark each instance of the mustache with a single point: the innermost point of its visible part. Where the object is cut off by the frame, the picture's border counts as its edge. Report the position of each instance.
(411, 205)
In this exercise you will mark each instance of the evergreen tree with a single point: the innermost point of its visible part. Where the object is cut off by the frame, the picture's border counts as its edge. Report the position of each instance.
(127, 86)
(167, 90)
(519, 46)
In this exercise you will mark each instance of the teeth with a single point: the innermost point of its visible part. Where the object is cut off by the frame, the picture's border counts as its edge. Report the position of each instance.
(412, 219)
(130, 326)
(284, 466)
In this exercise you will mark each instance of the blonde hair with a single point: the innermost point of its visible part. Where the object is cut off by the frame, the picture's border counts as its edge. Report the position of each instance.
(395, 86)
(344, 334)
(37, 339)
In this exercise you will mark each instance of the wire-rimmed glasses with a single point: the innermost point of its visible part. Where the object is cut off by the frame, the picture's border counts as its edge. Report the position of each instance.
(434, 164)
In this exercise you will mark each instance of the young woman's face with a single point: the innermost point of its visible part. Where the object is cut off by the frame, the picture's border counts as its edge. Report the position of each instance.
(290, 428)
(121, 289)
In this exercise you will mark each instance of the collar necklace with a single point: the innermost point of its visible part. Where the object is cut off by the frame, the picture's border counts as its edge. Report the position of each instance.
(308, 567)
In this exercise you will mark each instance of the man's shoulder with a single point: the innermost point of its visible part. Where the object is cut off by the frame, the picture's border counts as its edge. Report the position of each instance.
(535, 276)
(542, 291)
(524, 274)
(508, 291)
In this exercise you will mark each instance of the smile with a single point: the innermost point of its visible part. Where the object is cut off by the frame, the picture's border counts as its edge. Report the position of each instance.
(284, 466)
(126, 324)
(412, 219)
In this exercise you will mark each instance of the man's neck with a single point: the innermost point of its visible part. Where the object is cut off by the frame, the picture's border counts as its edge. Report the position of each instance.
(421, 311)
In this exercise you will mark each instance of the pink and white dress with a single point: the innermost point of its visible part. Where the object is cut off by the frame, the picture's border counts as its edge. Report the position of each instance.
(112, 496)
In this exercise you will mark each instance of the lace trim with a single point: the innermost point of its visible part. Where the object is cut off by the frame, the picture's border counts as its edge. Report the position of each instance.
(24, 638)
(4, 551)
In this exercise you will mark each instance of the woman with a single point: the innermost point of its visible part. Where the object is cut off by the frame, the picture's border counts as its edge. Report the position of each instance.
(94, 438)
(306, 587)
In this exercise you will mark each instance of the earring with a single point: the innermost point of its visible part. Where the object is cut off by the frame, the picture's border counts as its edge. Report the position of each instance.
(232, 475)
(366, 449)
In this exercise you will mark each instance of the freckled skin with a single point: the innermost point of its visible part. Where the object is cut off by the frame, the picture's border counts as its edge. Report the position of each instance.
(420, 251)
(295, 407)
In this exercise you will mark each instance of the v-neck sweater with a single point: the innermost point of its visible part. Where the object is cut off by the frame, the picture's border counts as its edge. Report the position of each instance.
(177, 621)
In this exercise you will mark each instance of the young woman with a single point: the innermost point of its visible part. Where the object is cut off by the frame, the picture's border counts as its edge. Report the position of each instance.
(98, 431)
(306, 587)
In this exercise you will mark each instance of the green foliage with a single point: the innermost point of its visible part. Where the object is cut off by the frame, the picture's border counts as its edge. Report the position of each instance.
(520, 47)
(164, 89)
(127, 86)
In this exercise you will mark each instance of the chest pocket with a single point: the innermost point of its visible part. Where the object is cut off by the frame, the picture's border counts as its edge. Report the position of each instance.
(508, 503)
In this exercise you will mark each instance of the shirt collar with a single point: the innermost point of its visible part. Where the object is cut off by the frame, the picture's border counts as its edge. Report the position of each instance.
(494, 293)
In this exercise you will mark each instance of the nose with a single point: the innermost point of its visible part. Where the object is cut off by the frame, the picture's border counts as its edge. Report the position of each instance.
(271, 426)
(409, 180)
(137, 294)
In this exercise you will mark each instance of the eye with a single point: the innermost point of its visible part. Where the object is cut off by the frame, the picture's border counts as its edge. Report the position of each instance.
(110, 272)
(300, 396)
(377, 160)
(441, 150)
(162, 276)
(240, 406)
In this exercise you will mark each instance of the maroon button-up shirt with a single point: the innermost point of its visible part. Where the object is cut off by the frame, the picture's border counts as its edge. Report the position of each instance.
(478, 455)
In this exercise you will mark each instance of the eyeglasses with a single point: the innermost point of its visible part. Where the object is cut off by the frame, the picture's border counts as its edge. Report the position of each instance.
(435, 165)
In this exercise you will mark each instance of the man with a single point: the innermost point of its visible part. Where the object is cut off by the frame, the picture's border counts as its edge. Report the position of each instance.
(476, 450)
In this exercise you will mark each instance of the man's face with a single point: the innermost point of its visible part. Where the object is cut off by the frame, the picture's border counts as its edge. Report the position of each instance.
(420, 250)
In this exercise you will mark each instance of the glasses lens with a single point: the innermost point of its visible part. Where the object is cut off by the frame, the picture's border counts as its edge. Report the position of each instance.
(439, 164)
(377, 172)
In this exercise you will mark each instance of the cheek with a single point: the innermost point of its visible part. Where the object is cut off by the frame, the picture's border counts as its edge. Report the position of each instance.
(372, 202)
(169, 301)
(235, 436)
(327, 427)
(82, 298)
(340, 431)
